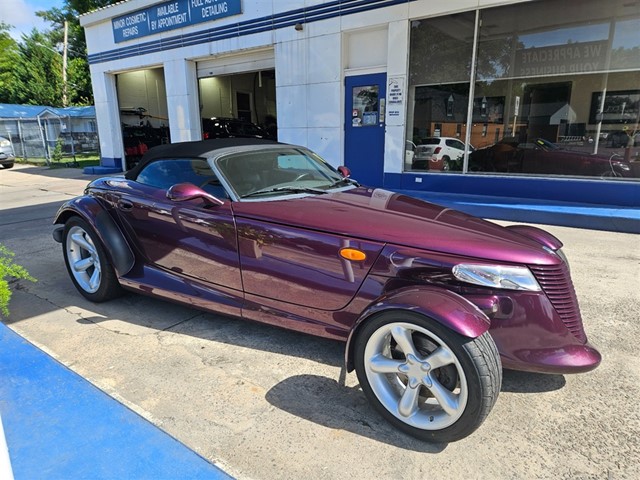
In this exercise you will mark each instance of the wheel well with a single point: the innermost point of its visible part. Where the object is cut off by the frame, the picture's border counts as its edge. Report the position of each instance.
(65, 216)
(116, 247)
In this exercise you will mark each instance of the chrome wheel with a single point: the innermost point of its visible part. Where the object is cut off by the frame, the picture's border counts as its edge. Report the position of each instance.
(424, 378)
(415, 376)
(83, 259)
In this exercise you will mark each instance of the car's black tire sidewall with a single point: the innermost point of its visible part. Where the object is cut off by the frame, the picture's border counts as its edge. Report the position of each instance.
(478, 357)
(109, 286)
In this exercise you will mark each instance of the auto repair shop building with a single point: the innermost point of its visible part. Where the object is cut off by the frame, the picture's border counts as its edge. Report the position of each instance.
(370, 83)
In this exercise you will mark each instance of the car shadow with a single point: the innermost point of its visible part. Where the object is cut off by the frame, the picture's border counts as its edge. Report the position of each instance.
(528, 382)
(329, 403)
(229, 330)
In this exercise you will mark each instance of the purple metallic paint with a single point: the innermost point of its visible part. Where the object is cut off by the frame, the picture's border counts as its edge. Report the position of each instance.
(401, 220)
(537, 234)
(283, 267)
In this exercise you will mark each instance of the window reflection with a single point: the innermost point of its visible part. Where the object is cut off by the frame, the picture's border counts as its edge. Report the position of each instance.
(552, 94)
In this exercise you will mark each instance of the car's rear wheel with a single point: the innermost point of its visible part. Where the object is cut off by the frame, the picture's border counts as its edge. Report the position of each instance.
(87, 262)
(425, 379)
(7, 165)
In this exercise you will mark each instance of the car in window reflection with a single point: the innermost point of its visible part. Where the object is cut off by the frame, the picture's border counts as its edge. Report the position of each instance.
(438, 153)
(429, 302)
(544, 157)
(222, 127)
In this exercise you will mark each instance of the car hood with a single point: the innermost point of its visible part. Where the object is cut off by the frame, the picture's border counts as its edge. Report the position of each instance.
(384, 216)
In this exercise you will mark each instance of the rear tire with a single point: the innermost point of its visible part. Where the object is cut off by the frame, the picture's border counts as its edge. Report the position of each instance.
(425, 379)
(7, 165)
(87, 262)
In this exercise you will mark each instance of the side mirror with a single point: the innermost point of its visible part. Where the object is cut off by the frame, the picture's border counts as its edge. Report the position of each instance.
(344, 171)
(182, 192)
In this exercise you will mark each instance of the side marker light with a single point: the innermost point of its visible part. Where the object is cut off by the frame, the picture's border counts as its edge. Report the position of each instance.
(353, 254)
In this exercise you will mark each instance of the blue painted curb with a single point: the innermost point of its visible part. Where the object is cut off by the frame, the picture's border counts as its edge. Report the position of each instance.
(59, 426)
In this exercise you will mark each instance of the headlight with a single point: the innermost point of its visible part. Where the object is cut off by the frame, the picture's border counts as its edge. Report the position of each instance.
(4, 143)
(497, 276)
(623, 166)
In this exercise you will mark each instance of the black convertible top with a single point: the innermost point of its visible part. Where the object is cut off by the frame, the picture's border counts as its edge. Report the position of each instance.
(191, 150)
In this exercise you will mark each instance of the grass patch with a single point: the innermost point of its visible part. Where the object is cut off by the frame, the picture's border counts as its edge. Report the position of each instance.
(81, 161)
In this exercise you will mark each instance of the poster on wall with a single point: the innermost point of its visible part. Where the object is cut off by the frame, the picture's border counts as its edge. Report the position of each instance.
(621, 106)
(395, 101)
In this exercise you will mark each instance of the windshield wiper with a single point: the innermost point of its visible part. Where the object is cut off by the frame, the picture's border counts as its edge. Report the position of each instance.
(284, 189)
(344, 180)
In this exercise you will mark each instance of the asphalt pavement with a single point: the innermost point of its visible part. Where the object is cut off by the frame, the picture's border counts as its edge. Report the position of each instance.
(259, 402)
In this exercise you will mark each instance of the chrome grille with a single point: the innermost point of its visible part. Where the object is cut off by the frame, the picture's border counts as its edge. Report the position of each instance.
(556, 283)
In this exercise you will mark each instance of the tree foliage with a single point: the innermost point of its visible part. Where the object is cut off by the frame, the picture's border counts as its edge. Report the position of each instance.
(37, 76)
(31, 68)
(8, 58)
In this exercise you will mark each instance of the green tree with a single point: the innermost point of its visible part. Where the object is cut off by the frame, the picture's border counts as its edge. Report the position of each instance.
(79, 90)
(37, 74)
(8, 59)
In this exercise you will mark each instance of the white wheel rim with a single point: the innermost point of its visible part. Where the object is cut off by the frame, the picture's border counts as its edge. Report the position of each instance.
(84, 262)
(409, 388)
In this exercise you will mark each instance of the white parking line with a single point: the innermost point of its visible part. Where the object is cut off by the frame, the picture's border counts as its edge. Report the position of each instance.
(5, 462)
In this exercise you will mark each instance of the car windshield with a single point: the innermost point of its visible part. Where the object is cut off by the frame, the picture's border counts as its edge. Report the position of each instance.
(430, 141)
(269, 173)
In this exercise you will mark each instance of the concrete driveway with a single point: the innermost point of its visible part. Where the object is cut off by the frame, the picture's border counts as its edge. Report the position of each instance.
(265, 403)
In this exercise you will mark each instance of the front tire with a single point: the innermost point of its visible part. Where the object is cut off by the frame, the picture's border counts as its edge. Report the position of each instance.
(425, 379)
(87, 263)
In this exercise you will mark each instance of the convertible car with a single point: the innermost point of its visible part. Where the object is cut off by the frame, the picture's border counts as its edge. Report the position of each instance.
(544, 157)
(430, 302)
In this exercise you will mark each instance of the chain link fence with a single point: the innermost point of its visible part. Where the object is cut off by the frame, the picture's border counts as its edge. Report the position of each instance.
(36, 138)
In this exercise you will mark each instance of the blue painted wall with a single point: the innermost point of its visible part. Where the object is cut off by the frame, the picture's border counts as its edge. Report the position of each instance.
(591, 191)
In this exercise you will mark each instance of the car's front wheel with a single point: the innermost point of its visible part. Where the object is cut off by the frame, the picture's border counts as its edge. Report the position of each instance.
(425, 379)
(87, 262)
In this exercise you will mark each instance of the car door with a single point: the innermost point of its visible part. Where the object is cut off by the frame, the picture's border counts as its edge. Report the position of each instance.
(297, 265)
(455, 148)
(191, 238)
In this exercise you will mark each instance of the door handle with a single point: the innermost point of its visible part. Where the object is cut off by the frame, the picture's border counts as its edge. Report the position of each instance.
(125, 205)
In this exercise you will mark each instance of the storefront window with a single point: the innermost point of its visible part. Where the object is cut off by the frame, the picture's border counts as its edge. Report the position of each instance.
(553, 94)
(441, 53)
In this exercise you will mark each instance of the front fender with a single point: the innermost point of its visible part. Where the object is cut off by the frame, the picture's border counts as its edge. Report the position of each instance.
(89, 209)
(447, 308)
(534, 233)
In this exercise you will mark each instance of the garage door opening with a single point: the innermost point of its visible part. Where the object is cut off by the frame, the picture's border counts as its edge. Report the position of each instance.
(239, 105)
(144, 117)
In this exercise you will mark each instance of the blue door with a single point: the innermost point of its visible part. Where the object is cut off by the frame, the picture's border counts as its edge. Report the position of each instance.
(365, 97)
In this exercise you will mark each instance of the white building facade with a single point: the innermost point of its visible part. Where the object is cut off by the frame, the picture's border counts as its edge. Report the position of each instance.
(372, 83)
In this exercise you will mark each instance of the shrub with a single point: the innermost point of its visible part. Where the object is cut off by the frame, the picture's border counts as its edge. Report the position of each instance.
(9, 269)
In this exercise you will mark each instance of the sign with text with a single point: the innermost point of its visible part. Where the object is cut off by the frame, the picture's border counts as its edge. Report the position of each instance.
(560, 59)
(170, 15)
(395, 100)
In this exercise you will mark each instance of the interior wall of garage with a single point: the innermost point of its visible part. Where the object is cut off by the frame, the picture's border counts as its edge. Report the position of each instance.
(143, 89)
(218, 95)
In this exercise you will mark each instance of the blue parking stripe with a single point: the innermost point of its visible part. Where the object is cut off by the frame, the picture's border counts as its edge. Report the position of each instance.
(59, 426)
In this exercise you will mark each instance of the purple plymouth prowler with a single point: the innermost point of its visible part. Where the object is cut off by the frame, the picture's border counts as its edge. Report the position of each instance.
(430, 302)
